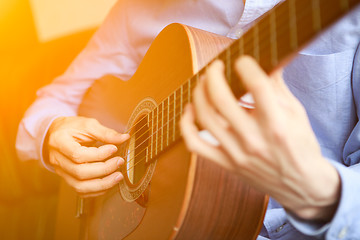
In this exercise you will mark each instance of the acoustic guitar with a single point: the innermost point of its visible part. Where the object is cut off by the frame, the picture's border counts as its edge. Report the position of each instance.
(167, 192)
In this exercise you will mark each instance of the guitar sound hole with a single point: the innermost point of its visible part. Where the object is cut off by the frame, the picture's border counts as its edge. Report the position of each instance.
(137, 161)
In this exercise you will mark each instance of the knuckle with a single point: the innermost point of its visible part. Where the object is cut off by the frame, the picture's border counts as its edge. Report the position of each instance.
(91, 122)
(252, 147)
(54, 139)
(79, 188)
(98, 156)
(277, 133)
(194, 146)
(239, 160)
(79, 173)
(76, 156)
(107, 168)
(190, 146)
(52, 159)
(104, 185)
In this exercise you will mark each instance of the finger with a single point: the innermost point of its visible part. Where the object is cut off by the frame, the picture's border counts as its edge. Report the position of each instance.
(214, 122)
(90, 186)
(101, 133)
(280, 85)
(219, 92)
(82, 154)
(256, 82)
(222, 98)
(205, 114)
(87, 170)
(197, 145)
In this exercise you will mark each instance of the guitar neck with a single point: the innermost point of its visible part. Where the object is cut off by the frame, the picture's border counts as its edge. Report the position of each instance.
(272, 40)
(283, 31)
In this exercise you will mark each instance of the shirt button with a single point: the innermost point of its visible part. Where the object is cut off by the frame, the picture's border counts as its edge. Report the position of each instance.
(238, 33)
(342, 233)
(280, 228)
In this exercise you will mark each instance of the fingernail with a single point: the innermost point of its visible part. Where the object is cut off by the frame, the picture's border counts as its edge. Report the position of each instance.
(118, 177)
(126, 136)
(120, 161)
(113, 148)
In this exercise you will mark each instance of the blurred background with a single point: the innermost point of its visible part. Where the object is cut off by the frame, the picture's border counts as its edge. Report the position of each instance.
(38, 40)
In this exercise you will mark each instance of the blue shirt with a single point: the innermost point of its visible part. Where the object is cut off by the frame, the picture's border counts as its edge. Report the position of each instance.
(325, 77)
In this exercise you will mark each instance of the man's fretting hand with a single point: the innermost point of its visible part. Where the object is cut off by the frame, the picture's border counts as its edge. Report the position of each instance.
(89, 170)
(271, 147)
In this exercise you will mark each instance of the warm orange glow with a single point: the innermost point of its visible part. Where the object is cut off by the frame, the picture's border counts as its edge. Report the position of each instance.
(5, 8)
(28, 195)
(56, 18)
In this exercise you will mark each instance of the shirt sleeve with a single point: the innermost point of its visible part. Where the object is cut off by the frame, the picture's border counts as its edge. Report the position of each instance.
(345, 223)
(108, 52)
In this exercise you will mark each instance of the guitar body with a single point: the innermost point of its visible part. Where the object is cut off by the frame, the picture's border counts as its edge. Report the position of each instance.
(178, 195)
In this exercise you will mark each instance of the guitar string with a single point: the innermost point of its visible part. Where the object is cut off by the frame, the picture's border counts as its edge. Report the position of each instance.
(145, 157)
(250, 39)
(151, 143)
(157, 115)
(301, 17)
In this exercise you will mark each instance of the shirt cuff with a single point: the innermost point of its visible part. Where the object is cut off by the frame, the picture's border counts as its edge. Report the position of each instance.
(345, 224)
(45, 162)
(310, 228)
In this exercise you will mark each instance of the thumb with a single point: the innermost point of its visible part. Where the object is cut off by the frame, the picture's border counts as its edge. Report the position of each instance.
(105, 134)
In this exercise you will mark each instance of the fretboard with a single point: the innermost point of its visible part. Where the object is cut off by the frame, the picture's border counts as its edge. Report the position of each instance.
(272, 40)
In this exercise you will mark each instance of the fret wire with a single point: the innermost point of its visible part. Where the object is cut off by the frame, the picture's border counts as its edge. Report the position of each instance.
(241, 46)
(256, 43)
(181, 101)
(344, 5)
(157, 127)
(189, 91)
(151, 129)
(273, 42)
(165, 121)
(147, 154)
(293, 25)
(168, 117)
(148, 117)
(162, 123)
(316, 15)
(174, 124)
(228, 65)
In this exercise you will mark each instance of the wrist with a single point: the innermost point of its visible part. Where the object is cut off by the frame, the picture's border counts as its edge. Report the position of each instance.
(323, 193)
(45, 158)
